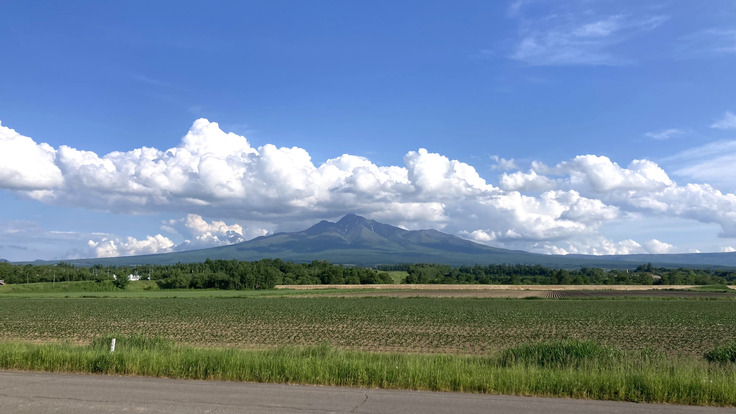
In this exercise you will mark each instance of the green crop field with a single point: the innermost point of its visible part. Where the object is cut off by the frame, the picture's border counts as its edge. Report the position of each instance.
(417, 325)
(650, 350)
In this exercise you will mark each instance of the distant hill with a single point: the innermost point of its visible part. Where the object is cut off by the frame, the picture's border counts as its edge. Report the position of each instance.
(679, 259)
(355, 240)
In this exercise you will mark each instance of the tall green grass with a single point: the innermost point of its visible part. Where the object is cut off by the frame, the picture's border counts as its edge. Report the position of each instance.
(133, 343)
(47, 287)
(560, 354)
(723, 353)
(142, 289)
(592, 372)
(713, 288)
(77, 286)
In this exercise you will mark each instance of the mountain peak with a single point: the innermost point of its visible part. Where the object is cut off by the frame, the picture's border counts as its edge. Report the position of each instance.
(359, 241)
(352, 220)
(350, 223)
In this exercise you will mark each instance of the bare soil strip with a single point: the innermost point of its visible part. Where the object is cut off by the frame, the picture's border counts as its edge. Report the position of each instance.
(513, 291)
(491, 287)
(643, 294)
(523, 294)
(438, 293)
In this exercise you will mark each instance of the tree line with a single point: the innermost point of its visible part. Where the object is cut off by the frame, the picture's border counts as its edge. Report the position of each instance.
(540, 275)
(267, 273)
(210, 274)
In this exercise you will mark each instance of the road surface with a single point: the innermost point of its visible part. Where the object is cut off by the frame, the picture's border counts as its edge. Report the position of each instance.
(42, 393)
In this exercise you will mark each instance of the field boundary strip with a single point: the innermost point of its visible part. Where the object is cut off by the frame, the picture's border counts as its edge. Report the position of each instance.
(491, 287)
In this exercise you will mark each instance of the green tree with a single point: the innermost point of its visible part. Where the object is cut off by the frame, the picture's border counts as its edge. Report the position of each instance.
(121, 282)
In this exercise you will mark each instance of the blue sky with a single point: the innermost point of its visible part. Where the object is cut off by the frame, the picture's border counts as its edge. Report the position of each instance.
(598, 127)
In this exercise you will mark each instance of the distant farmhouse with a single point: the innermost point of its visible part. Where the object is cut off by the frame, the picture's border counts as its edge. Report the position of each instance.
(131, 277)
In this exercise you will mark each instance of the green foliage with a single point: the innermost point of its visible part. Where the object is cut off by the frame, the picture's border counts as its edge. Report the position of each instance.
(60, 287)
(418, 325)
(267, 273)
(632, 378)
(397, 276)
(724, 353)
(536, 274)
(210, 274)
(121, 282)
(263, 274)
(134, 342)
(714, 288)
(624, 348)
(559, 354)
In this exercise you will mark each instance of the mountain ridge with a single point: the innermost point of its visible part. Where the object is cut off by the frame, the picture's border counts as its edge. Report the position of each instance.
(356, 240)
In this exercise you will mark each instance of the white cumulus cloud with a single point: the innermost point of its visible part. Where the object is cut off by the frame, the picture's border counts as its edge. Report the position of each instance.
(513, 217)
(26, 165)
(531, 181)
(645, 187)
(130, 246)
(245, 192)
(599, 174)
(503, 164)
(596, 246)
(655, 246)
(197, 232)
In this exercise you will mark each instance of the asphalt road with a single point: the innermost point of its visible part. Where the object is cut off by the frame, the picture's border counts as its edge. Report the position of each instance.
(41, 393)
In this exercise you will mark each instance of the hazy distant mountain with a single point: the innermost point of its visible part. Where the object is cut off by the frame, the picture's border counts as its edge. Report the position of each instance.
(355, 240)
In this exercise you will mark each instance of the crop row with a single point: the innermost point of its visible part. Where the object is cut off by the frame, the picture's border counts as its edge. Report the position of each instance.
(472, 326)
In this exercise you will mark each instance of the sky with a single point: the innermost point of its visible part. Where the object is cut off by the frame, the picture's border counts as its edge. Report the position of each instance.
(585, 126)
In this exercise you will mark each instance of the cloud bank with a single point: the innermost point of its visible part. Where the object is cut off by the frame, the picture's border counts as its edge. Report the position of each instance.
(197, 232)
(555, 209)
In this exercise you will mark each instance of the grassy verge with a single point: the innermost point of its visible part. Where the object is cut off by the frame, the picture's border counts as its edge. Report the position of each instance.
(398, 276)
(76, 287)
(713, 288)
(137, 289)
(722, 354)
(586, 371)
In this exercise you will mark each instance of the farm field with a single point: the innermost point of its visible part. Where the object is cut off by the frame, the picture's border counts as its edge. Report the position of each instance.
(667, 349)
(514, 291)
(475, 326)
(623, 288)
(522, 294)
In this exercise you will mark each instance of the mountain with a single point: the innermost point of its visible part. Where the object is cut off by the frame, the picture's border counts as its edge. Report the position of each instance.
(726, 260)
(355, 240)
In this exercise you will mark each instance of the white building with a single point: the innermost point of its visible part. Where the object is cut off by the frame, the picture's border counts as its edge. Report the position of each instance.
(131, 277)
